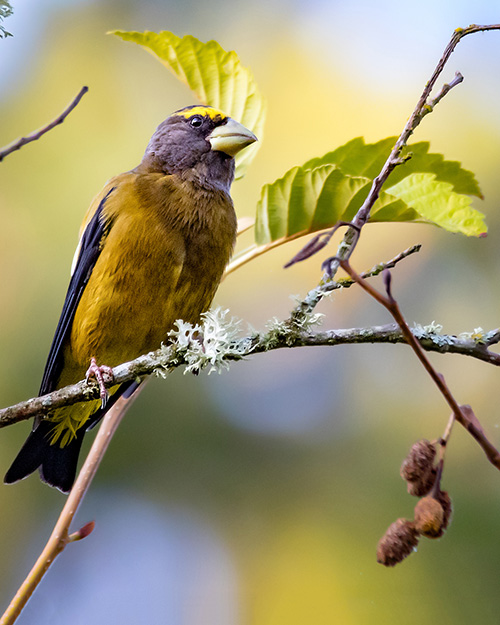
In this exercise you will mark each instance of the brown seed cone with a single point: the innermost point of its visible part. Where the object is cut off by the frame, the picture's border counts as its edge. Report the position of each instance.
(429, 517)
(421, 487)
(397, 543)
(419, 461)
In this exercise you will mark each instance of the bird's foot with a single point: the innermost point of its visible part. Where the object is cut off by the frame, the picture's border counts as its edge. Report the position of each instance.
(101, 374)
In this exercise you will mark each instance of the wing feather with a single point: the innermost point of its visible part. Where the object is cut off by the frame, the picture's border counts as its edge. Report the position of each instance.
(87, 254)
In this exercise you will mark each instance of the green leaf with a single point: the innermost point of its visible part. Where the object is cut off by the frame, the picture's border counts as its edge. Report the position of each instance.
(437, 203)
(215, 76)
(359, 159)
(308, 200)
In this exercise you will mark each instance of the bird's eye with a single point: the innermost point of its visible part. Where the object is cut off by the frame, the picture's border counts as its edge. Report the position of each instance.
(196, 121)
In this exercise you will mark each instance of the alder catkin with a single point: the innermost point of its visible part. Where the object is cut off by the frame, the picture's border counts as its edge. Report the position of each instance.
(429, 517)
(400, 539)
(419, 461)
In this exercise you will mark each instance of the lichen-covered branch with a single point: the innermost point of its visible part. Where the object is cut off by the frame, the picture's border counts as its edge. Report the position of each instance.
(222, 344)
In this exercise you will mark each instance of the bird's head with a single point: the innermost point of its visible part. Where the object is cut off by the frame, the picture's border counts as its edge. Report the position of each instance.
(198, 143)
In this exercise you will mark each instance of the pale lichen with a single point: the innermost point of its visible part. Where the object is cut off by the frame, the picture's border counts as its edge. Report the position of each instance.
(477, 335)
(212, 343)
(431, 332)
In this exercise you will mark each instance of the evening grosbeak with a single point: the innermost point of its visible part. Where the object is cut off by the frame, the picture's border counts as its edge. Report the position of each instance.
(153, 248)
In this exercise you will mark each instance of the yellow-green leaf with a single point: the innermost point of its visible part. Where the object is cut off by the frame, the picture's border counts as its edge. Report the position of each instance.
(308, 200)
(437, 203)
(357, 158)
(216, 77)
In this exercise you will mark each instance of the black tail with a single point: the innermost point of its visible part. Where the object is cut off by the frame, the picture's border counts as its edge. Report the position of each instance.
(57, 464)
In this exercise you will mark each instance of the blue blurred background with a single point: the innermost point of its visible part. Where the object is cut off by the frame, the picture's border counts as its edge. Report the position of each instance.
(257, 496)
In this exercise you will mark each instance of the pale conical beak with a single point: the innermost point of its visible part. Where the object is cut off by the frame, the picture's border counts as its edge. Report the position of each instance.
(231, 138)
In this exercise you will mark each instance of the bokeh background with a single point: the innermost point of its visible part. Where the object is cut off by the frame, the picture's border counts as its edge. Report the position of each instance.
(256, 497)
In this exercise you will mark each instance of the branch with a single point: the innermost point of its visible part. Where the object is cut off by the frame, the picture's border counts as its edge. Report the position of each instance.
(60, 536)
(327, 285)
(34, 136)
(280, 335)
(422, 108)
(463, 414)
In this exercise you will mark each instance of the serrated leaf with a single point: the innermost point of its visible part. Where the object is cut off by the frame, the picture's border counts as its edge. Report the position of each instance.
(437, 203)
(215, 76)
(357, 158)
(308, 200)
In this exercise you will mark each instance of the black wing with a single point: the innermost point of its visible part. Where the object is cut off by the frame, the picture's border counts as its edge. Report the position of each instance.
(90, 249)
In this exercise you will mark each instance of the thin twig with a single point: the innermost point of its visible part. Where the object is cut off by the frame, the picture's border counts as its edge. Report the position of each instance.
(391, 305)
(449, 426)
(444, 90)
(443, 442)
(422, 108)
(34, 136)
(60, 536)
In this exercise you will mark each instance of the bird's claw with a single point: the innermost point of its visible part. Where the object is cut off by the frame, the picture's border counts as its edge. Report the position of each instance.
(99, 372)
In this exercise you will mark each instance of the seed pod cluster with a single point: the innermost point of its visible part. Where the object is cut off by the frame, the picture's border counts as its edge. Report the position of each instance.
(432, 512)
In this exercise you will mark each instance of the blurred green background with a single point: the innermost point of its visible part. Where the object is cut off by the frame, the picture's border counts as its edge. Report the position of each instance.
(256, 497)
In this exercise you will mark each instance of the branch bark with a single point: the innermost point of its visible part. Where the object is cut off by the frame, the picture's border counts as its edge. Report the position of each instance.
(278, 337)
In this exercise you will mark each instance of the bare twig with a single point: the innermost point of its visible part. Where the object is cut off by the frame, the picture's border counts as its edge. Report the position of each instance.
(464, 419)
(34, 136)
(422, 108)
(443, 441)
(60, 536)
(444, 90)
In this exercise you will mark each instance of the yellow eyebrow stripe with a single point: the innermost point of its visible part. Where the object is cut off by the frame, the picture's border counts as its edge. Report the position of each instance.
(202, 110)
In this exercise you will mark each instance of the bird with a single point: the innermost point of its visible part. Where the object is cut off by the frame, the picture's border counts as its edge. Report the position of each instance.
(153, 248)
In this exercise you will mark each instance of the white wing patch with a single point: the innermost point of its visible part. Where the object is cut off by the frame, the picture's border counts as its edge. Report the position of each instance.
(76, 255)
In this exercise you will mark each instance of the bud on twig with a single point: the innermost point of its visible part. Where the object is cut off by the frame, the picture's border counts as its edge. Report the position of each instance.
(83, 532)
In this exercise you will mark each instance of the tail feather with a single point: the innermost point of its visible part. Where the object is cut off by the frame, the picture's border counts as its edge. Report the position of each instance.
(57, 465)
